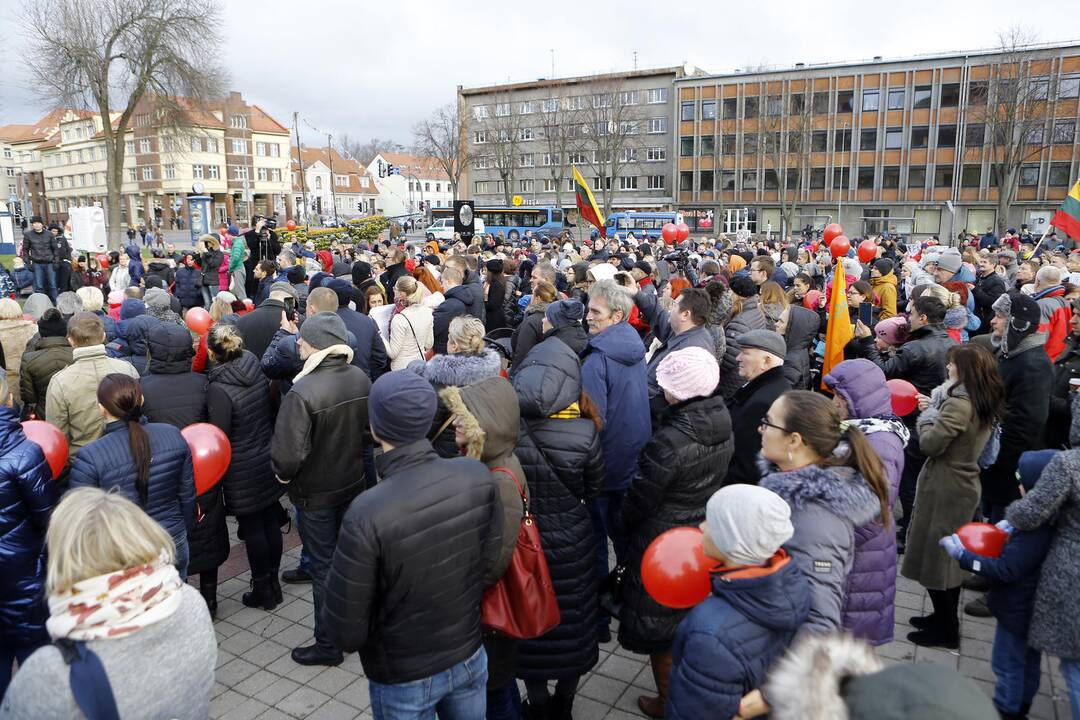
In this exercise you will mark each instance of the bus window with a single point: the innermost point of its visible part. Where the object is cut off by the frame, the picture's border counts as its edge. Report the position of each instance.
(556, 215)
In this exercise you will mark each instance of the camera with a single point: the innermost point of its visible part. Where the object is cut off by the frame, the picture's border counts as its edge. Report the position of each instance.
(679, 257)
(270, 223)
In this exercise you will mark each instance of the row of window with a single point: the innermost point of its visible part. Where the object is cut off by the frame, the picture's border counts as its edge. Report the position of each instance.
(527, 160)
(168, 145)
(971, 176)
(201, 172)
(871, 100)
(626, 182)
(653, 126)
(427, 186)
(74, 157)
(77, 180)
(1062, 132)
(654, 96)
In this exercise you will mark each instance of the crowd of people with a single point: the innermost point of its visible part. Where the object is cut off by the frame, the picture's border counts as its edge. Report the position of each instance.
(419, 403)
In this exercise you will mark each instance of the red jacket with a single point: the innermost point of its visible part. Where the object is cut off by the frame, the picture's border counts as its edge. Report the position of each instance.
(1055, 319)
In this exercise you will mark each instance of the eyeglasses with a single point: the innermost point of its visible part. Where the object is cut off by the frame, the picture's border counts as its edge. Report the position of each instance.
(765, 423)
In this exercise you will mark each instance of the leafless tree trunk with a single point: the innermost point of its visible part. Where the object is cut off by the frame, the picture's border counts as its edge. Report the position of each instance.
(101, 54)
(785, 139)
(613, 131)
(560, 126)
(502, 128)
(1014, 111)
(440, 137)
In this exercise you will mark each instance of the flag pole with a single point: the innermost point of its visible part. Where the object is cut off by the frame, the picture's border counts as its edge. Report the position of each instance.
(1045, 233)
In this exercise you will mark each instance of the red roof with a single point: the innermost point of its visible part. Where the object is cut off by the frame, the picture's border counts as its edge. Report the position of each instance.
(262, 122)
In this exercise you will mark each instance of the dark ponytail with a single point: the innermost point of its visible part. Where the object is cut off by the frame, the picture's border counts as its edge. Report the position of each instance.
(121, 397)
(816, 420)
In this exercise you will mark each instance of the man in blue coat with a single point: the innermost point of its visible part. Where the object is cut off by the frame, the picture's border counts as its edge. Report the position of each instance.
(613, 375)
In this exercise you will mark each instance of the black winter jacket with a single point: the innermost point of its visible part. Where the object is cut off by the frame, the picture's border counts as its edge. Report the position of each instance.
(475, 304)
(27, 497)
(210, 263)
(454, 304)
(51, 355)
(161, 269)
(987, 289)
(107, 463)
(410, 561)
(802, 331)
(1066, 367)
(37, 247)
(573, 335)
(751, 318)
(188, 286)
(238, 402)
(318, 446)
(683, 464)
(493, 307)
(527, 334)
(369, 351)
(921, 360)
(258, 326)
(748, 407)
(564, 467)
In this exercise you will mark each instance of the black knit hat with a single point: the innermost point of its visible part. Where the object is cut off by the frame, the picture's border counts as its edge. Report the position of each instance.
(52, 324)
(884, 266)
(743, 286)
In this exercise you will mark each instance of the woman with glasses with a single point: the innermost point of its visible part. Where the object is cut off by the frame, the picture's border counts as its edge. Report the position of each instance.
(829, 474)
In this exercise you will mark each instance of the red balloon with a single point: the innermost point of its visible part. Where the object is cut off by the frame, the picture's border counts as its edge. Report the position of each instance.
(903, 396)
(812, 299)
(52, 442)
(198, 320)
(103, 261)
(291, 225)
(675, 570)
(832, 230)
(983, 538)
(867, 251)
(705, 223)
(210, 454)
(249, 304)
(669, 232)
(839, 246)
(682, 231)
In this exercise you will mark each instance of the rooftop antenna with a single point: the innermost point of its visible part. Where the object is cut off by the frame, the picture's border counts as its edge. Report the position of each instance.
(635, 59)
(552, 51)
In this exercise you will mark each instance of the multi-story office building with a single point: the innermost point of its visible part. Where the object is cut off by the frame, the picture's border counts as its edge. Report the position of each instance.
(615, 128)
(232, 151)
(898, 145)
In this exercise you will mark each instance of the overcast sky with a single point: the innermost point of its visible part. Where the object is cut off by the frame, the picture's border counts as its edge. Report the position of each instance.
(372, 69)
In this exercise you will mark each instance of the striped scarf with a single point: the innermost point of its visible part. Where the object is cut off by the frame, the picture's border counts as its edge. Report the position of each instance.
(570, 412)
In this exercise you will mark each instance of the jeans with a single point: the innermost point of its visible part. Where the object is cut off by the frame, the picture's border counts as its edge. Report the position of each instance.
(8, 657)
(262, 539)
(45, 279)
(183, 556)
(319, 533)
(371, 476)
(305, 559)
(456, 694)
(1016, 666)
(239, 279)
(603, 509)
(1070, 668)
(208, 294)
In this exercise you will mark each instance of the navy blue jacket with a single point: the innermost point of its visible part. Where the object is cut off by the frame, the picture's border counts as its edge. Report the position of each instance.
(170, 499)
(27, 496)
(1013, 577)
(110, 325)
(188, 289)
(369, 352)
(725, 645)
(613, 374)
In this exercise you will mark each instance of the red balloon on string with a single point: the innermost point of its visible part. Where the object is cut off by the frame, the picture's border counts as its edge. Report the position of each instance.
(291, 225)
(675, 570)
(103, 261)
(867, 251)
(832, 230)
(210, 454)
(839, 246)
(682, 231)
(983, 538)
(903, 396)
(669, 232)
(812, 299)
(52, 443)
(198, 320)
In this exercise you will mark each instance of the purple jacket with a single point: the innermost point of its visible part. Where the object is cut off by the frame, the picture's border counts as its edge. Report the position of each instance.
(871, 584)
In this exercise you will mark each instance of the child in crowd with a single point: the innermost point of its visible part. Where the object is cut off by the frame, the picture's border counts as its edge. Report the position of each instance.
(1013, 577)
(759, 599)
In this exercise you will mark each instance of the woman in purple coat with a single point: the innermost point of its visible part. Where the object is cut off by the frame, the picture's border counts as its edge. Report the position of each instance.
(861, 396)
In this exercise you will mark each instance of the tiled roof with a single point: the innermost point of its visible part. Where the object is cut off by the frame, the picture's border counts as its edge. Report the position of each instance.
(261, 121)
(43, 129)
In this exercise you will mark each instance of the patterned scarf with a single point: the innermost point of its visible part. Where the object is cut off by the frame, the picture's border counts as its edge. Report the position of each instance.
(883, 423)
(115, 604)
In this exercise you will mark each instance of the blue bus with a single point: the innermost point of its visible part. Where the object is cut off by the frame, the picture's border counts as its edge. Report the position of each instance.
(643, 224)
(513, 222)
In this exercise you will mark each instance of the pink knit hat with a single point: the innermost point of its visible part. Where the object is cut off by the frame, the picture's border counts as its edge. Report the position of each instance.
(689, 373)
(894, 330)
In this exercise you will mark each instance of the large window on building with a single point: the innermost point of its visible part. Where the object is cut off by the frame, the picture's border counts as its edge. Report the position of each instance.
(974, 135)
(871, 99)
(1069, 87)
(749, 143)
(890, 176)
(866, 178)
(916, 177)
(728, 180)
(749, 180)
(705, 181)
(920, 136)
(978, 219)
(1029, 175)
(771, 180)
(841, 179)
(845, 101)
(950, 95)
(928, 221)
(946, 136)
(727, 144)
(1059, 175)
(707, 145)
(708, 109)
(921, 98)
(868, 140)
(894, 138)
(821, 103)
(817, 178)
(686, 146)
(731, 108)
(819, 141)
(842, 141)
(687, 112)
(750, 107)
(896, 99)
(971, 176)
(943, 176)
(686, 181)
(774, 105)
(1064, 132)
(977, 92)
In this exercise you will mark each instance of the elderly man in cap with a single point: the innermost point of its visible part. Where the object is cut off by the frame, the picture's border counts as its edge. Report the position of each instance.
(318, 451)
(410, 564)
(761, 361)
(259, 326)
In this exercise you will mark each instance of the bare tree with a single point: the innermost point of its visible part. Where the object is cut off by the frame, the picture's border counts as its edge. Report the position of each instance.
(101, 54)
(502, 130)
(364, 151)
(440, 137)
(613, 129)
(1013, 107)
(560, 128)
(785, 141)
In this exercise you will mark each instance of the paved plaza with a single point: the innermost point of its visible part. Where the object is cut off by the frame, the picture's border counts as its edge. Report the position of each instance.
(256, 678)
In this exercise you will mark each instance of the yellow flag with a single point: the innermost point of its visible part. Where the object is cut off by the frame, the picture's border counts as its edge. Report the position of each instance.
(839, 331)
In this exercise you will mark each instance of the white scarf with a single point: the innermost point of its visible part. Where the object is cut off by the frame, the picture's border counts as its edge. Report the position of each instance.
(316, 358)
(116, 604)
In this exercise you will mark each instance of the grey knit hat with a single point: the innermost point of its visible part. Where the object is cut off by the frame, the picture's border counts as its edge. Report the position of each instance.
(156, 297)
(324, 329)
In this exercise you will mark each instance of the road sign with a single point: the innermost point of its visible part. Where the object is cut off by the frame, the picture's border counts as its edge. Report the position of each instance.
(464, 219)
(518, 200)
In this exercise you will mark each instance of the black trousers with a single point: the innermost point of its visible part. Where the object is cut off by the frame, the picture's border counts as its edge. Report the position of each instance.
(262, 539)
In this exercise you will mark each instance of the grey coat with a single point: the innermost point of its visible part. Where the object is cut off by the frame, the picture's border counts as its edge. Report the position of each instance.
(827, 504)
(1055, 622)
(749, 318)
(948, 486)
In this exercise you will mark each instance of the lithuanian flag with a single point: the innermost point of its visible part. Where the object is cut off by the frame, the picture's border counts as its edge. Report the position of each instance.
(838, 332)
(1067, 218)
(586, 203)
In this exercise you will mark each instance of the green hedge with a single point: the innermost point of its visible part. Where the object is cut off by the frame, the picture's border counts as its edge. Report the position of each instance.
(369, 228)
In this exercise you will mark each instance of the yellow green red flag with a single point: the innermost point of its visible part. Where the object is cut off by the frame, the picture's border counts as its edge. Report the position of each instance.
(1067, 218)
(838, 332)
(586, 203)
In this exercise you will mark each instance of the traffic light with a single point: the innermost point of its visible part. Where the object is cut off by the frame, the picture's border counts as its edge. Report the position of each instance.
(392, 170)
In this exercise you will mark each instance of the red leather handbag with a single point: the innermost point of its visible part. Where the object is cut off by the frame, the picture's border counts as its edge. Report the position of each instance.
(522, 604)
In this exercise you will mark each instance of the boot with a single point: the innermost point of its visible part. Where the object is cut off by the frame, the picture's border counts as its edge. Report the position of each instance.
(923, 622)
(208, 589)
(977, 608)
(275, 583)
(533, 712)
(261, 595)
(559, 708)
(661, 671)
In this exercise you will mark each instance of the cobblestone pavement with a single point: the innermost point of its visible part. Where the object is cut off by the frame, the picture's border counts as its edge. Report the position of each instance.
(256, 678)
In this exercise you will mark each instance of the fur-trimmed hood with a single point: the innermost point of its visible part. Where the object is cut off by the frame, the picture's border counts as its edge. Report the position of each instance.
(488, 415)
(463, 369)
(806, 683)
(842, 490)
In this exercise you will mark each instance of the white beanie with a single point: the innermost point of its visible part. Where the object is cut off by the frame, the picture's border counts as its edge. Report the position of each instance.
(747, 523)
